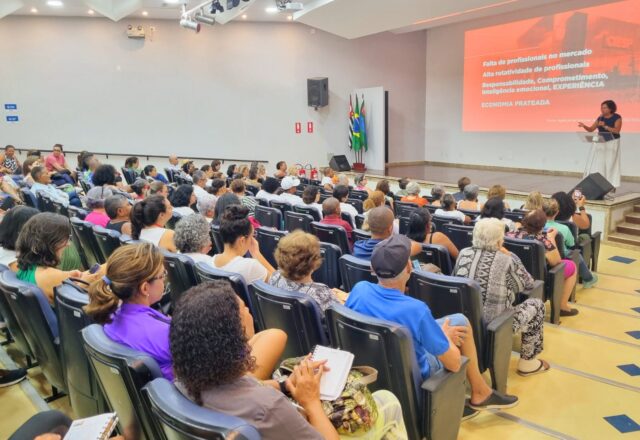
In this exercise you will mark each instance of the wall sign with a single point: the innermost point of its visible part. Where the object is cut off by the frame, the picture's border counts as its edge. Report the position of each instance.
(13, 119)
(11, 106)
(298, 127)
(309, 127)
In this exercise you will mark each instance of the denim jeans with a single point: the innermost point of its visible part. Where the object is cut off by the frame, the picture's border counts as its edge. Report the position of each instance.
(457, 319)
(583, 270)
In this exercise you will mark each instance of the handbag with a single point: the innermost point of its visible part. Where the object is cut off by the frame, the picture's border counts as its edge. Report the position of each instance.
(355, 411)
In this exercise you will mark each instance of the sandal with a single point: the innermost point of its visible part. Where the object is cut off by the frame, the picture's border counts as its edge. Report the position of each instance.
(542, 368)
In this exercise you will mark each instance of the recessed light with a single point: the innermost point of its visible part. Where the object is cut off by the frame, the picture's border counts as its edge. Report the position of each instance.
(34, 10)
(55, 3)
(90, 12)
(271, 10)
(244, 16)
(290, 17)
(145, 13)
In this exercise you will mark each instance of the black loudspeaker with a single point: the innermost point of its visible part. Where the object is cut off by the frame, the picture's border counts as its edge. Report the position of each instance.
(340, 163)
(594, 186)
(318, 92)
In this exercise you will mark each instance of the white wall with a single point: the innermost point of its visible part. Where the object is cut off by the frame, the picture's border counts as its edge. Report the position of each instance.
(231, 91)
(446, 142)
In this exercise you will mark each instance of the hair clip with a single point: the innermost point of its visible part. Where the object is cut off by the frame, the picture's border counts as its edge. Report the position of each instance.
(106, 280)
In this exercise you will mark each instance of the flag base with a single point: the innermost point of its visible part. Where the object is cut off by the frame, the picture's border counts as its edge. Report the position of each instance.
(359, 167)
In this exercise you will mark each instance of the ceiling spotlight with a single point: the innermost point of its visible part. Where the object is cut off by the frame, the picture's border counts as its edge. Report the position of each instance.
(145, 13)
(34, 10)
(244, 16)
(55, 3)
(290, 17)
(201, 17)
(271, 10)
(90, 12)
(189, 23)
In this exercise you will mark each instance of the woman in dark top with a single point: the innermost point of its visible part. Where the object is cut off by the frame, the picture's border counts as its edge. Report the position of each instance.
(605, 158)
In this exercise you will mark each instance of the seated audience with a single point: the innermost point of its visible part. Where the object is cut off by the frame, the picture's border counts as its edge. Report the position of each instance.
(199, 182)
(269, 188)
(568, 207)
(56, 163)
(174, 163)
(551, 210)
(462, 182)
(27, 165)
(531, 229)
(187, 170)
(148, 220)
(106, 176)
(533, 202)
(8, 187)
(139, 189)
(262, 173)
(95, 203)
(158, 188)
(223, 377)
(327, 181)
(342, 179)
(402, 184)
(118, 209)
(383, 185)
(236, 232)
(92, 166)
(470, 201)
(252, 179)
(298, 256)
(500, 192)
(182, 199)
(42, 183)
(231, 171)
(449, 210)
(39, 248)
(239, 189)
(152, 172)
(218, 187)
(207, 208)
(413, 195)
(502, 277)
(290, 185)
(438, 344)
(9, 163)
(243, 170)
(311, 197)
(223, 202)
(420, 232)
(341, 192)
(132, 164)
(192, 238)
(494, 208)
(332, 215)
(281, 170)
(382, 225)
(360, 182)
(437, 192)
(215, 165)
(375, 199)
(10, 228)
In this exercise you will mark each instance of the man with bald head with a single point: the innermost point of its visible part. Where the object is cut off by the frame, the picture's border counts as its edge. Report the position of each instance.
(380, 221)
(174, 162)
(332, 216)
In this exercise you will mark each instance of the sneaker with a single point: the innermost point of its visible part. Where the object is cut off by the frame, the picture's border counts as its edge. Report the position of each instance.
(590, 284)
(469, 412)
(10, 377)
(496, 400)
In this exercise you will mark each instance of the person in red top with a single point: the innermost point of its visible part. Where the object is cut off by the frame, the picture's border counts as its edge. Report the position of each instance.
(57, 163)
(413, 195)
(332, 216)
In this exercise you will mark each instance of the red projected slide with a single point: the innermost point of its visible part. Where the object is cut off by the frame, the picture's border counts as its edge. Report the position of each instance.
(549, 73)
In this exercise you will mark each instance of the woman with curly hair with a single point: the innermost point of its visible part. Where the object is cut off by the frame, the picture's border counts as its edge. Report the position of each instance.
(298, 256)
(182, 199)
(192, 238)
(210, 341)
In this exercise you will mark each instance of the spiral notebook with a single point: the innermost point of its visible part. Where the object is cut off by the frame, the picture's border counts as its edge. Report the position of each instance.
(97, 427)
(339, 363)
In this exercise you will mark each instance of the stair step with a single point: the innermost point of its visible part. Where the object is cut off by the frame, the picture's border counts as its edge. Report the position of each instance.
(636, 208)
(624, 238)
(628, 228)
(633, 217)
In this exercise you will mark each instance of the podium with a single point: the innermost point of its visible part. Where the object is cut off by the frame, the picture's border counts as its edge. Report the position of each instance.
(596, 139)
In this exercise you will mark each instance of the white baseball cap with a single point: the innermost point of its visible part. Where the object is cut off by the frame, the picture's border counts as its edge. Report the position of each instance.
(289, 182)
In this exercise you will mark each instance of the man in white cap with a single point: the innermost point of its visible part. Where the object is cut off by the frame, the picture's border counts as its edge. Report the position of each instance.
(290, 184)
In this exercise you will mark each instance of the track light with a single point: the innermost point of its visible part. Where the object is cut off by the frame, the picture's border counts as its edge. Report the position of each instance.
(201, 17)
(189, 23)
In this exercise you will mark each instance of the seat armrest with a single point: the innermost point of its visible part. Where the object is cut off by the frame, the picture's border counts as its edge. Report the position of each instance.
(596, 237)
(554, 290)
(537, 291)
(499, 343)
(443, 396)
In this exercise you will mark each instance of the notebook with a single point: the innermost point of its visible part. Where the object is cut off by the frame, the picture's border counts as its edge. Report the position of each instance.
(334, 380)
(97, 427)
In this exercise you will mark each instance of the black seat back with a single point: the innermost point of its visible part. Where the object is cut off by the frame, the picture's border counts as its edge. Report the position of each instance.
(280, 205)
(354, 270)
(84, 392)
(178, 418)
(514, 216)
(75, 211)
(175, 218)
(218, 245)
(531, 253)
(359, 234)
(460, 235)
(269, 217)
(38, 323)
(12, 323)
(60, 208)
(308, 210)
(438, 255)
(332, 234)
(268, 240)
(206, 272)
(252, 189)
(356, 203)
(404, 209)
(472, 214)
(358, 194)
(329, 272)
(129, 176)
(297, 220)
(181, 274)
(441, 222)
(86, 242)
(29, 198)
(294, 312)
(359, 221)
(121, 373)
(45, 204)
(572, 227)
(108, 240)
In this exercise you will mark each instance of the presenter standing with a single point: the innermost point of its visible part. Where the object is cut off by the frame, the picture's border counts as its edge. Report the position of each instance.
(605, 157)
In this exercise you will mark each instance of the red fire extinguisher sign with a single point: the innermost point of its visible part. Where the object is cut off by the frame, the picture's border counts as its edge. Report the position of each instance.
(309, 127)
(298, 127)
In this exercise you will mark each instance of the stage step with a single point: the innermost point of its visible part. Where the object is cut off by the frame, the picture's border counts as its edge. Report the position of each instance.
(628, 228)
(636, 208)
(619, 237)
(633, 217)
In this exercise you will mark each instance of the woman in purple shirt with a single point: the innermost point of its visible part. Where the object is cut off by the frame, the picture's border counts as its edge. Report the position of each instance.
(134, 275)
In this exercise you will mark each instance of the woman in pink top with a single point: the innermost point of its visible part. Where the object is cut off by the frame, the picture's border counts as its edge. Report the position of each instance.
(95, 202)
(56, 162)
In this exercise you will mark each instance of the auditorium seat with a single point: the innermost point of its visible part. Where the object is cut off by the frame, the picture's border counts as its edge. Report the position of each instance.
(45, 203)
(446, 295)
(359, 220)
(348, 218)
(86, 243)
(358, 195)
(178, 418)
(281, 206)
(297, 314)
(583, 242)
(438, 255)
(431, 408)
(13, 325)
(440, 222)
(181, 274)
(596, 238)
(269, 217)
(84, 393)
(313, 212)
(514, 216)
(460, 235)
(29, 198)
(129, 176)
(121, 373)
(332, 234)
(252, 189)
(404, 209)
(268, 241)
(359, 234)
(39, 325)
(175, 218)
(329, 272)
(170, 175)
(75, 211)
(108, 240)
(356, 203)
(297, 220)
(60, 208)
(470, 213)
(216, 239)
(354, 270)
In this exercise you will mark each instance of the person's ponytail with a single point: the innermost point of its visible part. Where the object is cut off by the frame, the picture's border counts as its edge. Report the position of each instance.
(137, 219)
(102, 302)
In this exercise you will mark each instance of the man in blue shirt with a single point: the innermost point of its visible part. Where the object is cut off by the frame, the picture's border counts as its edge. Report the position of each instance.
(437, 343)
(380, 222)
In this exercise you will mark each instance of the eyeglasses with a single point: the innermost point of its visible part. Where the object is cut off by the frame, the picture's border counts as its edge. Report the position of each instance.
(161, 277)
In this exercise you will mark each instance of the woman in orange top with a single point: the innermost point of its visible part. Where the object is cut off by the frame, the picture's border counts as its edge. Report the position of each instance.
(413, 190)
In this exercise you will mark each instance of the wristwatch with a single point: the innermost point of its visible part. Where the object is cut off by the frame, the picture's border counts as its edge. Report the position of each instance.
(582, 208)
(283, 386)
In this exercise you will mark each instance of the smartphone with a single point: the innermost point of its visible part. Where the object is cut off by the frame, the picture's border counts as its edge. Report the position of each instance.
(416, 265)
(94, 268)
(577, 194)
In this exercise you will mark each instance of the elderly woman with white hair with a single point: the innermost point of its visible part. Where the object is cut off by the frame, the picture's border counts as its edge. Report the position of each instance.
(413, 195)
(207, 207)
(192, 238)
(502, 276)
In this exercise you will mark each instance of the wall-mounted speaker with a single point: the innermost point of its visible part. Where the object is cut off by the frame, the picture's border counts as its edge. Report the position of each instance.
(318, 92)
